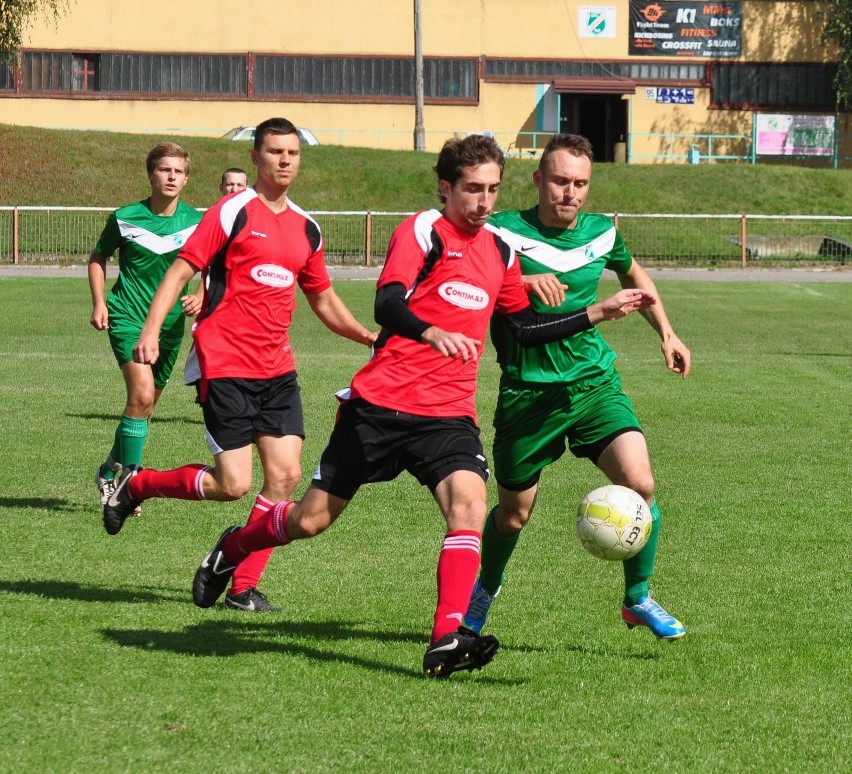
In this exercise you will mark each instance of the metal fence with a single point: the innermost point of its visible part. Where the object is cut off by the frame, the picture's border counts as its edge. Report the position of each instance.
(61, 236)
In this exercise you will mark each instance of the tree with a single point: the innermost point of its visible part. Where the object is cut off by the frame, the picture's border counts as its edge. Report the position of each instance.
(838, 31)
(15, 17)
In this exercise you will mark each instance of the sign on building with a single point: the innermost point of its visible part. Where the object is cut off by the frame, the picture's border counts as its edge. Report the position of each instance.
(711, 29)
(675, 96)
(783, 135)
(596, 21)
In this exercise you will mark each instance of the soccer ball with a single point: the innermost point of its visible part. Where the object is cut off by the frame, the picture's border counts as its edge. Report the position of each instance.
(613, 522)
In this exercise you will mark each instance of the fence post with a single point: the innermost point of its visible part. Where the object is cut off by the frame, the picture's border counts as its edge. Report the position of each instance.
(368, 236)
(615, 219)
(16, 230)
(743, 239)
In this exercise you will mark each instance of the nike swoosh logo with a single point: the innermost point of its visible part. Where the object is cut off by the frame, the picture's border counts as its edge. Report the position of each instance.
(249, 607)
(449, 646)
(527, 248)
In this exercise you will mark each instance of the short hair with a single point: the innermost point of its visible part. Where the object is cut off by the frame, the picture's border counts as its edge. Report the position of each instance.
(273, 126)
(231, 171)
(457, 154)
(163, 149)
(575, 144)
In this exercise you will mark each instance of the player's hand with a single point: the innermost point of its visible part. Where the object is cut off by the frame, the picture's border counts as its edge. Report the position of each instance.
(622, 303)
(451, 344)
(191, 304)
(100, 317)
(678, 357)
(147, 349)
(546, 287)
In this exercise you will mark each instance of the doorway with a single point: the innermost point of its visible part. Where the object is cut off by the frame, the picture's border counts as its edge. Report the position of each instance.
(602, 118)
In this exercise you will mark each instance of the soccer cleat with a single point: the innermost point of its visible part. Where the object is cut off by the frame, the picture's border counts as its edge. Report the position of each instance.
(106, 486)
(119, 504)
(461, 650)
(477, 609)
(214, 574)
(646, 612)
(251, 600)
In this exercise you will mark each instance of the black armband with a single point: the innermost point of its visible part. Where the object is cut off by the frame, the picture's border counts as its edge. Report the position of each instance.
(531, 328)
(393, 314)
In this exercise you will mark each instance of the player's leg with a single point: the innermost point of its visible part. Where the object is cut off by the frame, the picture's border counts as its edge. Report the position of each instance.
(626, 461)
(280, 460)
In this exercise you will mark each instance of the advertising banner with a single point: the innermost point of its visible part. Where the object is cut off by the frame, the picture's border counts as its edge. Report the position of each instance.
(782, 135)
(685, 29)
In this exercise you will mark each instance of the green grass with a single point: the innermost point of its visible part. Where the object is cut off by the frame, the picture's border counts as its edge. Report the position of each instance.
(107, 666)
(101, 169)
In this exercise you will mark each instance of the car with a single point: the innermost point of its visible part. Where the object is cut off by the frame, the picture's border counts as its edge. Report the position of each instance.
(306, 136)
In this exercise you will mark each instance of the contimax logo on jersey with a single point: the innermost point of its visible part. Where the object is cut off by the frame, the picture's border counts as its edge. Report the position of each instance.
(463, 295)
(270, 274)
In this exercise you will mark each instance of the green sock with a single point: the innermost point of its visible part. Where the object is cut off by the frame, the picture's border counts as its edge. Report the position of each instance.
(133, 433)
(112, 464)
(639, 569)
(496, 552)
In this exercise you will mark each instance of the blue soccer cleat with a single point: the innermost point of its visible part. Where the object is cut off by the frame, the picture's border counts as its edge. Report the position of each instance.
(646, 612)
(478, 607)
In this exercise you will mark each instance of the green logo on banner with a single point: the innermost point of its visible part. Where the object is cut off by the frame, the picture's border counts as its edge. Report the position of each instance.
(596, 22)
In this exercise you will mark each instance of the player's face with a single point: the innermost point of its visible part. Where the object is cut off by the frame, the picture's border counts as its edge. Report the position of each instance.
(471, 200)
(278, 160)
(169, 177)
(562, 188)
(234, 181)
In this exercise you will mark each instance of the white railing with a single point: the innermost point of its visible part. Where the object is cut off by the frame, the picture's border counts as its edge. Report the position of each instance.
(67, 235)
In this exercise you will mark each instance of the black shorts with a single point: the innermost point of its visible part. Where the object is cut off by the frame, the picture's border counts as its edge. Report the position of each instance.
(236, 410)
(370, 443)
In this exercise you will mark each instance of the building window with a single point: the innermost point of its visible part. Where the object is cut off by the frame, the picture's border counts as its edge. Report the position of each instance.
(7, 76)
(85, 71)
(173, 74)
(545, 69)
(391, 77)
(774, 86)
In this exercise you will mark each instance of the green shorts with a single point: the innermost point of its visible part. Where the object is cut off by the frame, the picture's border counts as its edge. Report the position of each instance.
(122, 340)
(533, 423)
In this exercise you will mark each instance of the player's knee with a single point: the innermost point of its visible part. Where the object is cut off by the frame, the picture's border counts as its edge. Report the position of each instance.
(234, 490)
(643, 484)
(307, 526)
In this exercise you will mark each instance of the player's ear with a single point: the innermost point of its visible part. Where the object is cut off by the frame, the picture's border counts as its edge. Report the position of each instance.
(537, 178)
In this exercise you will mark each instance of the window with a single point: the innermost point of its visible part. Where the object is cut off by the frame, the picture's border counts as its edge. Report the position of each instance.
(363, 77)
(173, 74)
(7, 76)
(85, 70)
(544, 69)
(774, 86)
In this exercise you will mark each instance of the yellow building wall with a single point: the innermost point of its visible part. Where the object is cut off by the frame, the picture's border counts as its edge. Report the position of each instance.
(536, 29)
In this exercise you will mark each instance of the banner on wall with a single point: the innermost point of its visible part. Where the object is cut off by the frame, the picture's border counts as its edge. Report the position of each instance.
(783, 135)
(685, 29)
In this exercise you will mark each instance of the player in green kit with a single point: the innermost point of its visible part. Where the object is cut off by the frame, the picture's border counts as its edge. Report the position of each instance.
(148, 235)
(568, 392)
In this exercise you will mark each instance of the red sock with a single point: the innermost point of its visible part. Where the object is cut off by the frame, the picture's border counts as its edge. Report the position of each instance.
(186, 483)
(266, 530)
(250, 569)
(458, 564)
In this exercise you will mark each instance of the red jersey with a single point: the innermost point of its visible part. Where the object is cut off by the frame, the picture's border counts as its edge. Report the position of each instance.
(456, 281)
(254, 259)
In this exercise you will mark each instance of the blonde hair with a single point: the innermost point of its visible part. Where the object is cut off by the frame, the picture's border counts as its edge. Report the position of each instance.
(163, 149)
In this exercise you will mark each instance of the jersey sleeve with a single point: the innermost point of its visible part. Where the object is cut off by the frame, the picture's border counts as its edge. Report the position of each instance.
(314, 275)
(618, 259)
(405, 256)
(207, 239)
(110, 237)
(512, 296)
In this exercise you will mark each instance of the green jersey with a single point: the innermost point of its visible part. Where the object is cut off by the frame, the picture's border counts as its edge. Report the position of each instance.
(147, 245)
(577, 257)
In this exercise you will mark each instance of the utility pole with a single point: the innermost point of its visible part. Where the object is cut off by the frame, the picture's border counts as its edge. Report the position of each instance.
(419, 132)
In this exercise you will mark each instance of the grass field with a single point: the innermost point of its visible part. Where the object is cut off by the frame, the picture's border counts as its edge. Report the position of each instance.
(107, 666)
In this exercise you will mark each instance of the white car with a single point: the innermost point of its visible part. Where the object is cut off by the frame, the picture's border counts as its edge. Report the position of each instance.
(306, 136)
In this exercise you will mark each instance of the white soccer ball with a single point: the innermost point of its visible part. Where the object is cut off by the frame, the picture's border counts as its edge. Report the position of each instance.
(613, 522)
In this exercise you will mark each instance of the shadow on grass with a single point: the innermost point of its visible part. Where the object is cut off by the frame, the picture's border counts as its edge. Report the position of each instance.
(222, 638)
(156, 421)
(59, 589)
(43, 503)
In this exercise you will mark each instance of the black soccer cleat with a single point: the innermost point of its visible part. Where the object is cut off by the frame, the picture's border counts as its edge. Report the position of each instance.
(214, 574)
(461, 650)
(251, 600)
(119, 504)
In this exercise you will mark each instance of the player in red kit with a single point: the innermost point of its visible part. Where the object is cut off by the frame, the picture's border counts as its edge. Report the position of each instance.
(412, 406)
(255, 246)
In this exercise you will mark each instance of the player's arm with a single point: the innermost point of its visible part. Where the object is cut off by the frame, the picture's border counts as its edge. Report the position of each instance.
(97, 283)
(147, 348)
(393, 314)
(547, 287)
(335, 315)
(531, 328)
(676, 354)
